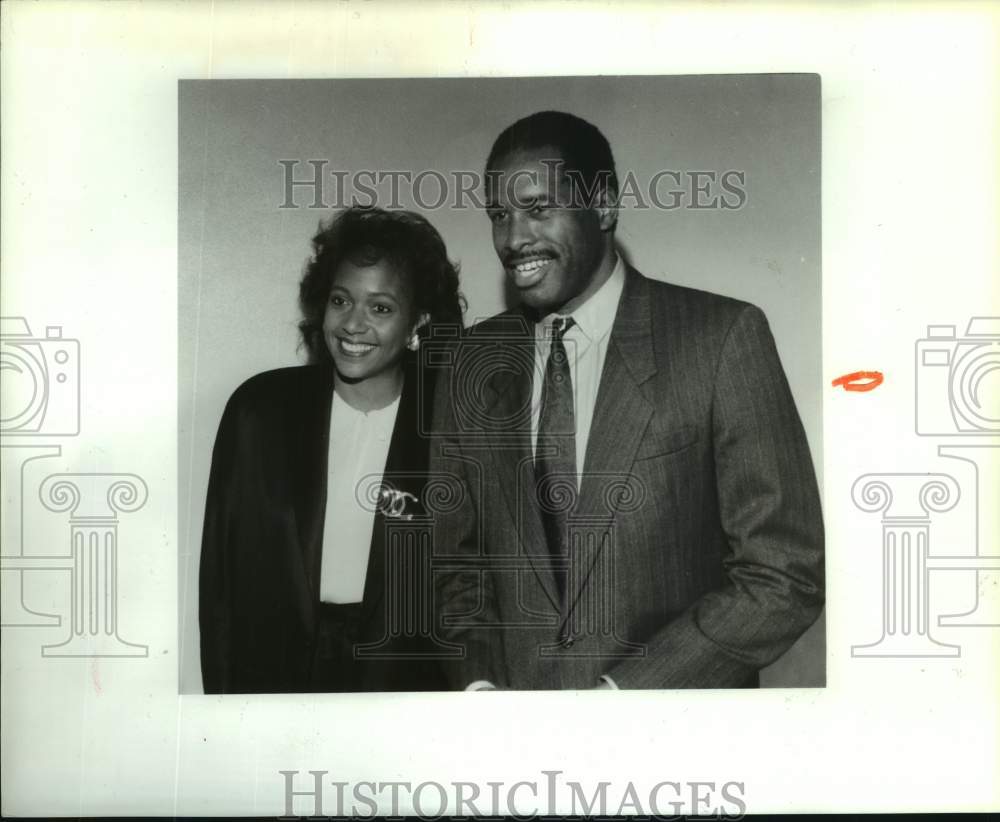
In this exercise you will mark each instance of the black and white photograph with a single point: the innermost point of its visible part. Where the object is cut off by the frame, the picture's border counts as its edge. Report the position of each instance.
(507, 383)
(504, 408)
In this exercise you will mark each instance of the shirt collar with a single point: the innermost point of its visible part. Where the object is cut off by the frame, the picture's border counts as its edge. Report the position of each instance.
(378, 416)
(595, 317)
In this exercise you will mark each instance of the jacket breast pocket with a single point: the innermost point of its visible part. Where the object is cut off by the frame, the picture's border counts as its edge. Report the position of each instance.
(659, 441)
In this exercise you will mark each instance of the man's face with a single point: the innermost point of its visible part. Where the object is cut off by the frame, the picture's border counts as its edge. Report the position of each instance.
(550, 246)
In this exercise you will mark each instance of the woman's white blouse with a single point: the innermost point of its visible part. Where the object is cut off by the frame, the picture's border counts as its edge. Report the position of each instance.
(359, 445)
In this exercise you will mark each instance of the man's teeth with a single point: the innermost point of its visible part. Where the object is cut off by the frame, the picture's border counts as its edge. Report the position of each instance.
(356, 348)
(530, 266)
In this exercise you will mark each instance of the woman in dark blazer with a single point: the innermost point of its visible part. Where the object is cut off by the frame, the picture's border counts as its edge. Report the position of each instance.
(311, 466)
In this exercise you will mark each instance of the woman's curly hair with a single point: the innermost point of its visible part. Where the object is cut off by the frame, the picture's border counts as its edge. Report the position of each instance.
(365, 236)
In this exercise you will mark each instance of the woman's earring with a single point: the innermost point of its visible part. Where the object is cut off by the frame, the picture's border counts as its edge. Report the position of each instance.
(414, 342)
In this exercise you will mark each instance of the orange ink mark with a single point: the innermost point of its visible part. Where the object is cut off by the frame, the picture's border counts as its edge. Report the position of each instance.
(855, 380)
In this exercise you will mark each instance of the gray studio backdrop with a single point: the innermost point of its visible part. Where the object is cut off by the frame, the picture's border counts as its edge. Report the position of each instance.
(241, 254)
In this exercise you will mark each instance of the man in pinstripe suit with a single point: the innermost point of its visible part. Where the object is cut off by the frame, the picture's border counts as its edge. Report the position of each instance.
(638, 504)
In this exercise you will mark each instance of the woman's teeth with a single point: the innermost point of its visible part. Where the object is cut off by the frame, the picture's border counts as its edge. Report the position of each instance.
(355, 349)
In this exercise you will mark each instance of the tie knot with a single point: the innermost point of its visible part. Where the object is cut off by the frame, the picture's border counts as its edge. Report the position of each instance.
(560, 325)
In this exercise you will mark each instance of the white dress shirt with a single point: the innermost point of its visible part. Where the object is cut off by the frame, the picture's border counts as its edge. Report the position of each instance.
(359, 445)
(586, 348)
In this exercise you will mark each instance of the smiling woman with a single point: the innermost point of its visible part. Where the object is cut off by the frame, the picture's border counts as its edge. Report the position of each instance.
(370, 319)
(294, 556)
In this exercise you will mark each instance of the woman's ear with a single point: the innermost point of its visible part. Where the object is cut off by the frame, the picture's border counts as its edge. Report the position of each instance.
(414, 342)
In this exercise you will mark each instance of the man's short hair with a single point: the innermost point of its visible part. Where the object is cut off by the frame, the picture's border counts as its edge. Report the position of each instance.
(584, 150)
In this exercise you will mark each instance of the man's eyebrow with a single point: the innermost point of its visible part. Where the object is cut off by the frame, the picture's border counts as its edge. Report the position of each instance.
(542, 199)
(532, 201)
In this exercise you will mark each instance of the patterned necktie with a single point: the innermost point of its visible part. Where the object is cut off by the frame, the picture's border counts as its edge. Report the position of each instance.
(555, 448)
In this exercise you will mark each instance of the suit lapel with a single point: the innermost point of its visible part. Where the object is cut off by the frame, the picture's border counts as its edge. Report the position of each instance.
(621, 414)
(309, 469)
(405, 471)
(507, 401)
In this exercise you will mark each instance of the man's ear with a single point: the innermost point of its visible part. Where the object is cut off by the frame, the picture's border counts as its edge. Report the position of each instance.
(607, 211)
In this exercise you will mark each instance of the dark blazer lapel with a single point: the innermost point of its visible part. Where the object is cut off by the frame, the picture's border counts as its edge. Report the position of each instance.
(508, 399)
(622, 411)
(405, 471)
(309, 468)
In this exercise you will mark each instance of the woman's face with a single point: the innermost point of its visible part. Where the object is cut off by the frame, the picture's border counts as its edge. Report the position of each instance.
(369, 318)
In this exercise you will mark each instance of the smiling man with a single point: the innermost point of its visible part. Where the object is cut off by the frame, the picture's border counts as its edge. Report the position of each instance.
(636, 505)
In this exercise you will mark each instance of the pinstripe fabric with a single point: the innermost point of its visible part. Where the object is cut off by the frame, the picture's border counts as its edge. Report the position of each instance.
(698, 556)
